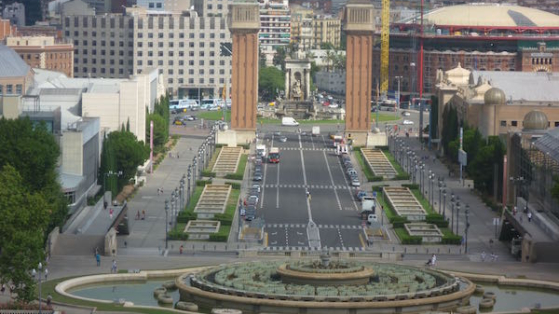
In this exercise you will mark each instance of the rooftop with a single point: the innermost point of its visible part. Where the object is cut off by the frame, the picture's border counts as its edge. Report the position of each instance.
(523, 86)
(11, 64)
(485, 14)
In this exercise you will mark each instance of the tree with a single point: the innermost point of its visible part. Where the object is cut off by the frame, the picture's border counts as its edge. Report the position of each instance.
(270, 81)
(25, 218)
(122, 154)
(279, 57)
(33, 152)
(159, 131)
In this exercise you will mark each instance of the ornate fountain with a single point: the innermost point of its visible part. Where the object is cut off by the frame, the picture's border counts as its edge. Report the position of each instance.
(324, 286)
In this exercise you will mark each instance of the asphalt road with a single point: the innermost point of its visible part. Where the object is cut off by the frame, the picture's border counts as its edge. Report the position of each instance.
(307, 164)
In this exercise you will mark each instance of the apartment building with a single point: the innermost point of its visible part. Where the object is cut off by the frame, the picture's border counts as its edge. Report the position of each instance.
(275, 26)
(326, 29)
(6, 29)
(44, 53)
(184, 46)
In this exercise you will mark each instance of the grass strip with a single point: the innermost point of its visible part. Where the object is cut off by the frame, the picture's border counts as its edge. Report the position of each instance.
(400, 173)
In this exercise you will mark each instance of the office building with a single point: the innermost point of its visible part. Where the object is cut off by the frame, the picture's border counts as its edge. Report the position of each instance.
(184, 46)
(14, 12)
(44, 52)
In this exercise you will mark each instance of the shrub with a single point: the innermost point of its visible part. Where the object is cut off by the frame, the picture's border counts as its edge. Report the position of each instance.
(452, 239)
(405, 238)
(216, 237)
(234, 185)
(178, 235)
(375, 178)
(411, 186)
(225, 219)
(245, 146)
(207, 173)
(378, 188)
(219, 145)
(234, 176)
(402, 176)
(203, 182)
(186, 216)
(398, 221)
(382, 147)
(437, 220)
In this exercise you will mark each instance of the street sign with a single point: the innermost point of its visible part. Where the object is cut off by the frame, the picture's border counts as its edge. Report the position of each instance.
(462, 157)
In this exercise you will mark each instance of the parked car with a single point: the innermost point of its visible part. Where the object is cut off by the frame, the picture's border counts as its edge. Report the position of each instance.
(256, 187)
(360, 194)
(406, 113)
(355, 181)
(189, 118)
(250, 213)
(251, 200)
(351, 172)
(407, 122)
(257, 176)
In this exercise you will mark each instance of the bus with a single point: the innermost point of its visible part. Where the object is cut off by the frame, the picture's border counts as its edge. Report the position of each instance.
(274, 155)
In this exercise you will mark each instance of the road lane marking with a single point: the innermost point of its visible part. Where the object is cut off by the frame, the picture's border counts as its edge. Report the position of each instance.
(340, 236)
(313, 234)
(312, 142)
(263, 189)
(277, 187)
(347, 184)
(332, 180)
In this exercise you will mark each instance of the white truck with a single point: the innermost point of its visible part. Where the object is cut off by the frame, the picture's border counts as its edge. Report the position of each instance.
(315, 130)
(368, 209)
(261, 150)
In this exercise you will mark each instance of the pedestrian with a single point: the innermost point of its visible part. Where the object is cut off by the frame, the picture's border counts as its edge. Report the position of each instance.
(178, 157)
(111, 213)
(138, 215)
(98, 259)
(125, 244)
(433, 260)
(514, 211)
(3, 289)
(483, 255)
(529, 216)
(180, 249)
(113, 267)
(143, 215)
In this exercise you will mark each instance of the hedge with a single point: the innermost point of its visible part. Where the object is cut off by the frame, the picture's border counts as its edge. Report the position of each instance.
(436, 219)
(378, 188)
(452, 239)
(234, 185)
(402, 176)
(178, 235)
(240, 174)
(405, 238)
(234, 176)
(208, 173)
(225, 219)
(411, 186)
(398, 221)
(186, 216)
(203, 182)
(216, 237)
(375, 178)
(220, 145)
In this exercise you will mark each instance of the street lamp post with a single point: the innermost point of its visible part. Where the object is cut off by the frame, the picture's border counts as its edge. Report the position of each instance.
(182, 192)
(166, 223)
(194, 173)
(467, 212)
(452, 201)
(457, 213)
(188, 194)
(444, 202)
(39, 276)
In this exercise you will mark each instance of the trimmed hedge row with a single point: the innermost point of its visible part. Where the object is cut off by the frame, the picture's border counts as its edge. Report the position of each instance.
(369, 174)
(178, 235)
(216, 237)
(437, 219)
(405, 238)
(208, 173)
(411, 186)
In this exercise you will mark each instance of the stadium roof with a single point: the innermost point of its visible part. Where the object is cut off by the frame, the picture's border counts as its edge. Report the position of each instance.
(485, 14)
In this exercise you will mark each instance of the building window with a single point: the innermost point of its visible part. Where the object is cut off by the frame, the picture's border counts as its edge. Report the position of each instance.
(2, 89)
(514, 123)
(556, 122)
(503, 123)
(9, 89)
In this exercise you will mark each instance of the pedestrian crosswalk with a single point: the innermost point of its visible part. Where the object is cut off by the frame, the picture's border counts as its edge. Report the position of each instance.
(324, 226)
(309, 149)
(311, 186)
(307, 248)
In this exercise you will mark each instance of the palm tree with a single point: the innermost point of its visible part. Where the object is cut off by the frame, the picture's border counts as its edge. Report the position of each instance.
(330, 59)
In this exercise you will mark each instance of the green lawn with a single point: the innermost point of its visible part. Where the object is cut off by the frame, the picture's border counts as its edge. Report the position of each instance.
(388, 211)
(384, 117)
(214, 115)
(214, 158)
(240, 173)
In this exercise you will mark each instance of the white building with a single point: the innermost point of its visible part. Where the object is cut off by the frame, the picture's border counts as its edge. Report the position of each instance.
(333, 82)
(184, 46)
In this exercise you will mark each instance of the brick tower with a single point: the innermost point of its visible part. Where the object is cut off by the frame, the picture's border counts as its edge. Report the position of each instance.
(244, 24)
(359, 28)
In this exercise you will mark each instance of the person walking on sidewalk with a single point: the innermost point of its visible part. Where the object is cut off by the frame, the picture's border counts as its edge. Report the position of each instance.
(529, 216)
(98, 259)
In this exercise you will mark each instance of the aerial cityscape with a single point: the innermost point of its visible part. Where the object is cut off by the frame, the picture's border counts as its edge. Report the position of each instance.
(277, 156)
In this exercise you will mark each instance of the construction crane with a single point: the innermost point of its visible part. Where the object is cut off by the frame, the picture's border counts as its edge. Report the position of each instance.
(385, 47)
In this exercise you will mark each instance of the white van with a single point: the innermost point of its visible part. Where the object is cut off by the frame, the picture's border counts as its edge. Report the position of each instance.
(181, 104)
(289, 121)
(209, 103)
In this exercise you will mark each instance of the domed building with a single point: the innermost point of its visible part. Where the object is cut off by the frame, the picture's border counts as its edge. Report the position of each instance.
(479, 36)
(498, 102)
